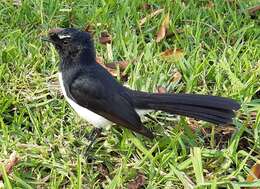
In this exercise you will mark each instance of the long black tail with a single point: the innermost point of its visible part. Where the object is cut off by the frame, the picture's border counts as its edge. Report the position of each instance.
(214, 109)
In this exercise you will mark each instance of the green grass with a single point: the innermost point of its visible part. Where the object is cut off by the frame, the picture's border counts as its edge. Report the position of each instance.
(222, 57)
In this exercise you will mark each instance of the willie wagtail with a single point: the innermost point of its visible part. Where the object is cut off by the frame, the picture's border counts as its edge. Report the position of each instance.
(98, 98)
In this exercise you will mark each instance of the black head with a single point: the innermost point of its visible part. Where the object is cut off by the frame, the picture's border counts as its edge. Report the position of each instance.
(71, 43)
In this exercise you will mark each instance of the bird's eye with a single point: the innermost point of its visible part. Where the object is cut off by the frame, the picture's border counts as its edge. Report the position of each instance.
(65, 42)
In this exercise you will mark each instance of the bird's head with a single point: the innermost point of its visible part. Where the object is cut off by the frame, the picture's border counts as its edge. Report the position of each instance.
(71, 43)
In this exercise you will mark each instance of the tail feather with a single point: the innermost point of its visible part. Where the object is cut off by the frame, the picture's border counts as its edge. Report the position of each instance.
(202, 116)
(212, 115)
(214, 109)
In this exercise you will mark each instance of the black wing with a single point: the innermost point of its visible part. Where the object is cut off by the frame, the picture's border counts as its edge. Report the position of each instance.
(97, 96)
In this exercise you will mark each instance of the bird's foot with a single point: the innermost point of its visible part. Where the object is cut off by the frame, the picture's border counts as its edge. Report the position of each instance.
(92, 138)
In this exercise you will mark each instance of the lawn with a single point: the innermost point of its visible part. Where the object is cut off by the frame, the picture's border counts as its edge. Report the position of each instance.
(214, 49)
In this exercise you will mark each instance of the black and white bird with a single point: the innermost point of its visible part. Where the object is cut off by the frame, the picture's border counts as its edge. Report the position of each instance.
(98, 98)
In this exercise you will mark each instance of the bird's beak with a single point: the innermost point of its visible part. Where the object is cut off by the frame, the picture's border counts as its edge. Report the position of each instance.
(47, 39)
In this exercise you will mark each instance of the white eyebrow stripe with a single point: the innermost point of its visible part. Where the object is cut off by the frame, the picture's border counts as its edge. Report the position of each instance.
(64, 36)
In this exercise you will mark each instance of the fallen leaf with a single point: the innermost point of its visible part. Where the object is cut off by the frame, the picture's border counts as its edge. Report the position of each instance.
(113, 72)
(45, 179)
(90, 28)
(173, 53)
(176, 77)
(210, 5)
(13, 160)
(252, 11)
(178, 53)
(226, 129)
(194, 125)
(112, 67)
(99, 60)
(254, 174)
(105, 38)
(138, 182)
(154, 13)
(163, 29)
(161, 89)
(167, 53)
(103, 171)
(122, 65)
(146, 6)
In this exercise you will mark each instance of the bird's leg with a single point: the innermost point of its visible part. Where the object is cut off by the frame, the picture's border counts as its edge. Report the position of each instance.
(92, 138)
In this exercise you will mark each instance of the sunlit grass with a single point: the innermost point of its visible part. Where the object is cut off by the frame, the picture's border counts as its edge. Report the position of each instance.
(221, 57)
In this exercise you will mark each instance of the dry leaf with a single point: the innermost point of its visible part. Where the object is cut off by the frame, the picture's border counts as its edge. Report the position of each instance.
(253, 10)
(254, 174)
(194, 124)
(176, 77)
(146, 6)
(167, 53)
(138, 182)
(173, 53)
(112, 67)
(13, 160)
(210, 5)
(90, 28)
(253, 115)
(163, 29)
(113, 72)
(105, 38)
(122, 65)
(103, 171)
(225, 129)
(161, 89)
(154, 13)
(99, 60)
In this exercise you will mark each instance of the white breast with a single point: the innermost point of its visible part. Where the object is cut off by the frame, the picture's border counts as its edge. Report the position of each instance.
(93, 118)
